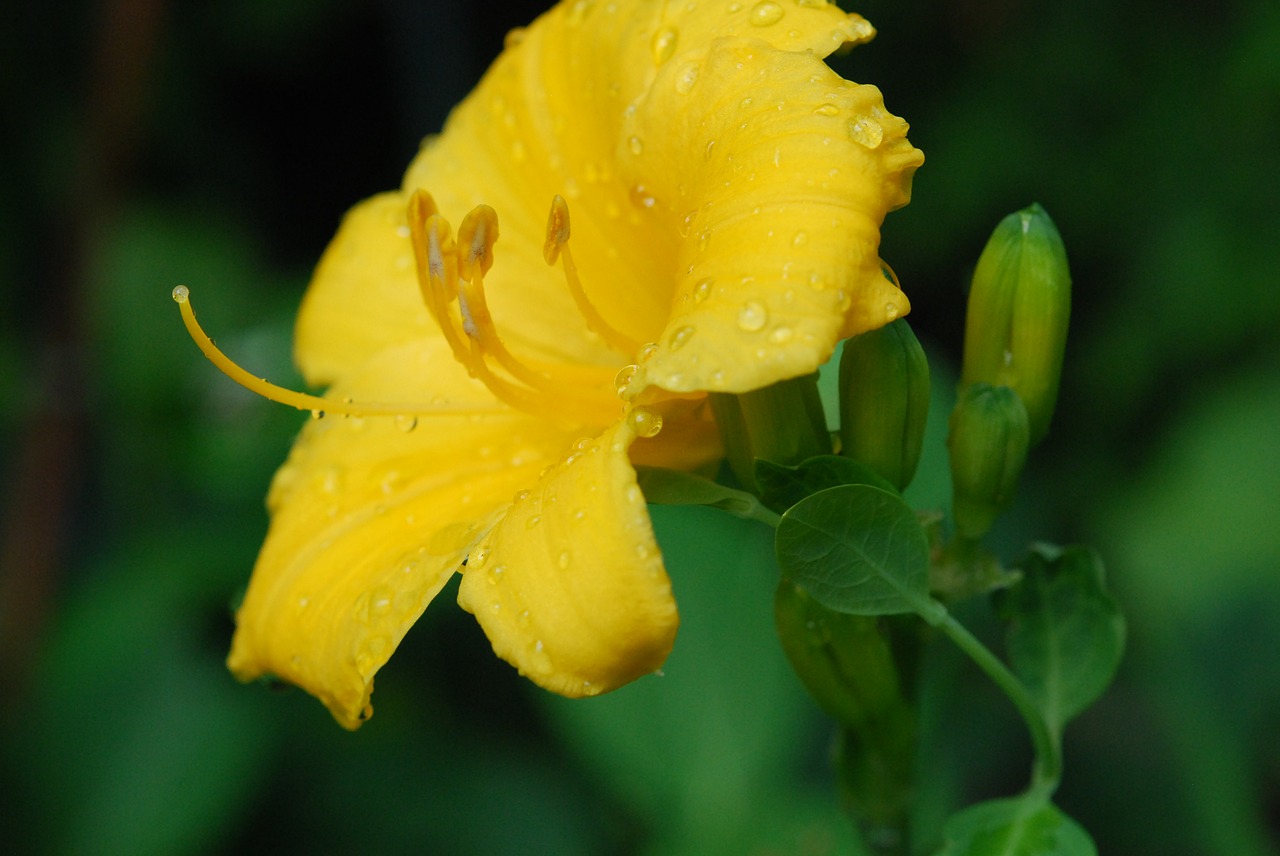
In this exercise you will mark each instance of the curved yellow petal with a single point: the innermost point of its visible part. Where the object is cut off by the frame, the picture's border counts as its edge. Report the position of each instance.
(791, 173)
(363, 296)
(570, 587)
(369, 519)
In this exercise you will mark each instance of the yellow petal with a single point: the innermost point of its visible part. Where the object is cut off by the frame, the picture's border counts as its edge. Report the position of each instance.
(570, 587)
(370, 519)
(782, 172)
(364, 295)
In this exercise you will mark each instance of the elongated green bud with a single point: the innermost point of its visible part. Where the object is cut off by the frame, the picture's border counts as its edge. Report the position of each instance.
(782, 423)
(884, 400)
(989, 439)
(1019, 306)
(844, 660)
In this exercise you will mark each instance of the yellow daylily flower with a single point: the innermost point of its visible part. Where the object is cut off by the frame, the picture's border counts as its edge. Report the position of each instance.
(726, 190)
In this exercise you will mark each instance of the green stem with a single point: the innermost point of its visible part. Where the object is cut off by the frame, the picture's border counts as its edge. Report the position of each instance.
(1048, 764)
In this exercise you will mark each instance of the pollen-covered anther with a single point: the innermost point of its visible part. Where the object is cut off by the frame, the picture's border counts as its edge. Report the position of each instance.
(557, 230)
(556, 246)
(478, 233)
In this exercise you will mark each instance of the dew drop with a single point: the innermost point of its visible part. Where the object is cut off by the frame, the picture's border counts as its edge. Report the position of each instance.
(686, 223)
(680, 337)
(532, 522)
(827, 110)
(317, 414)
(636, 145)
(800, 239)
(812, 4)
(495, 574)
(564, 559)
(687, 79)
(520, 496)
(406, 423)
(765, 13)
(646, 423)
(181, 294)
(702, 290)
(745, 103)
(647, 351)
(523, 618)
(890, 311)
(866, 132)
(663, 45)
(478, 558)
(706, 153)
(623, 379)
(781, 335)
(752, 317)
(641, 197)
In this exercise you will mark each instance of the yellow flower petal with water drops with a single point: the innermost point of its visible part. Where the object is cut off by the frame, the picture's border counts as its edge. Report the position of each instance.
(370, 517)
(570, 586)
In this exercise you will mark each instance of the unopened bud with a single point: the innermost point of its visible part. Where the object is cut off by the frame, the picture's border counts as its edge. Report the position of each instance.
(1019, 305)
(844, 660)
(989, 439)
(884, 400)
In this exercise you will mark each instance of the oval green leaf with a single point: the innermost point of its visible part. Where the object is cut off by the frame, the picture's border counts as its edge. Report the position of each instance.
(857, 549)
(1021, 826)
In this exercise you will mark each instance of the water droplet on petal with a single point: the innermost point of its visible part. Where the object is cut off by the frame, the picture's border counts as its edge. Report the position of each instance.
(623, 379)
(533, 521)
(636, 145)
(680, 337)
(800, 239)
(687, 79)
(891, 311)
(702, 290)
(317, 414)
(752, 317)
(563, 559)
(646, 352)
(781, 335)
(765, 13)
(646, 423)
(406, 423)
(866, 132)
(495, 575)
(827, 110)
(663, 45)
(478, 558)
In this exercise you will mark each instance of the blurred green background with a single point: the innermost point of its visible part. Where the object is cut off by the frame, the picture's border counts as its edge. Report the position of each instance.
(150, 143)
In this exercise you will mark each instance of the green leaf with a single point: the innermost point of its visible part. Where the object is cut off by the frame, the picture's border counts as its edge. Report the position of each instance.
(782, 487)
(1021, 826)
(669, 487)
(1065, 634)
(857, 549)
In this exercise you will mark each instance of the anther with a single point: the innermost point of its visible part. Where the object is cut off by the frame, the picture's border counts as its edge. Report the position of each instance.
(478, 233)
(557, 230)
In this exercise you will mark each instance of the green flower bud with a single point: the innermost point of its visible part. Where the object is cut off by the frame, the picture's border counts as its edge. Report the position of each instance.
(843, 660)
(1019, 305)
(989, 439)
(782, 423)
(884, 399)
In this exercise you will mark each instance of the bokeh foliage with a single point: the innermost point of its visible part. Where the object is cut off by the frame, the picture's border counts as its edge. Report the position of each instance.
(217, 144)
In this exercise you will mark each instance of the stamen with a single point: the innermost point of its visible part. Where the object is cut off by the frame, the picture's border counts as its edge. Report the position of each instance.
(300, 400)
(442, 264)
(556, 246)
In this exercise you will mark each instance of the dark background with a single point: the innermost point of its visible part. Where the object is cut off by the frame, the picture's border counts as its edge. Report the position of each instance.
(148, 143)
